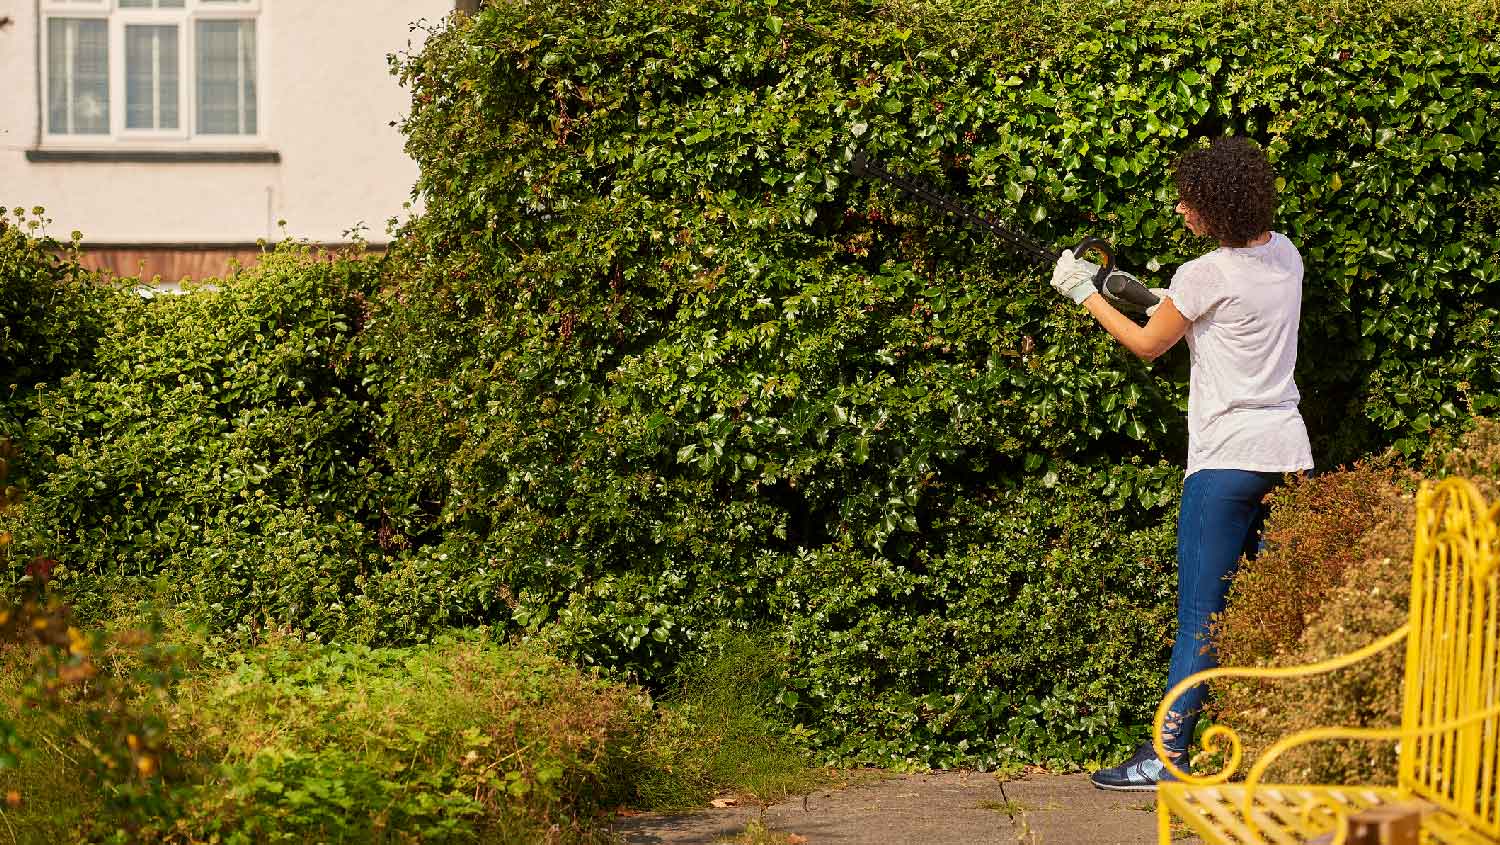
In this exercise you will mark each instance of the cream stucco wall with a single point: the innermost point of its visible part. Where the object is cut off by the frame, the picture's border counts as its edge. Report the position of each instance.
(326, 101)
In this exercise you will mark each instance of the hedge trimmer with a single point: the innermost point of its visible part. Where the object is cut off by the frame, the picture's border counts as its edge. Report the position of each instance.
(1117, 286)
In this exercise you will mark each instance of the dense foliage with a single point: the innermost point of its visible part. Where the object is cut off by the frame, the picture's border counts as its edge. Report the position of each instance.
(152, 732)
(51, 315)
(220, 437)
(461, 740)
(651, 365)
(659, 361)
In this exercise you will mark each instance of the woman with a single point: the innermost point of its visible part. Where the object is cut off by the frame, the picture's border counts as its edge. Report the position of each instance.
(1239, 307)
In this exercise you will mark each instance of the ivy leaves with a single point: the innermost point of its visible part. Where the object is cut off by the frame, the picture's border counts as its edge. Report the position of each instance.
(713, 349)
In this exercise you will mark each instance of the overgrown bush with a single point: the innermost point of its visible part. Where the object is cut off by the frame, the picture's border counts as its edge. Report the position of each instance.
(462, 740)
(1314, 538)
(1360, 593)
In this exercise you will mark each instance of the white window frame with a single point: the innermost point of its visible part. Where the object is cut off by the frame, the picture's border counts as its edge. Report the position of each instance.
(186, 136)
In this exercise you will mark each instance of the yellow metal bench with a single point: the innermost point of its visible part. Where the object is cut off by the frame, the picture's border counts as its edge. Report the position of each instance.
(1449, 754)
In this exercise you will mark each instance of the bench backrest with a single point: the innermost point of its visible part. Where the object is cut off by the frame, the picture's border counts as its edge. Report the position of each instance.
(1453, 656)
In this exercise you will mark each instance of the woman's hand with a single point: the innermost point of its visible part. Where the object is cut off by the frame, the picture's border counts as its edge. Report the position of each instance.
(1161, 296)
(1074, 277)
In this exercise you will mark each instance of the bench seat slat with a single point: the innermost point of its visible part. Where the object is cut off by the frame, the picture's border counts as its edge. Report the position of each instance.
(1213, 812)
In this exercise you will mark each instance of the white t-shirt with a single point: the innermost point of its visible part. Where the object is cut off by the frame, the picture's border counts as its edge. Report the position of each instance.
(1244, 304)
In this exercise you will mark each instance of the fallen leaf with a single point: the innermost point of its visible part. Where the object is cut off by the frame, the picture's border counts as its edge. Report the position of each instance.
(796, 839)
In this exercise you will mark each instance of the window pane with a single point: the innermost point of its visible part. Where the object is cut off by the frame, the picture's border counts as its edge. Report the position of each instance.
(226, 77)
(151, 4)
(77, 76)
(150, 77)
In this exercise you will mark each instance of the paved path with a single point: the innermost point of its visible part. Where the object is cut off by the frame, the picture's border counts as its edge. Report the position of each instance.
(944, 807)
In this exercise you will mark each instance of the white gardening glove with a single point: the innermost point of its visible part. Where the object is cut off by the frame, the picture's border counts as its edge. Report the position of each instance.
(1074, 277)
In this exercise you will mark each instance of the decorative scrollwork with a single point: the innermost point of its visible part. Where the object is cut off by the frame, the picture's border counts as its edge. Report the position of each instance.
(1321, 814)
(1326, 804)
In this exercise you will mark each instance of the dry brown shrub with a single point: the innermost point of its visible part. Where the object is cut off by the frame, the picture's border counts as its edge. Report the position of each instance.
(1476, 456)
(1313, 536)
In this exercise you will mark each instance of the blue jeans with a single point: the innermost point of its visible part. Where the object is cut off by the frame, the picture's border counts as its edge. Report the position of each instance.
(1220, 520)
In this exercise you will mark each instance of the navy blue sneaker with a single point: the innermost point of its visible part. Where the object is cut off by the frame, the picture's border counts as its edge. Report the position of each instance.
(1140, 773)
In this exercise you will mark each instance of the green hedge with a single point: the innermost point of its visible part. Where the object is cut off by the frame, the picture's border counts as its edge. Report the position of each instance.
(220, 437)
(664, 365)
(650, 365)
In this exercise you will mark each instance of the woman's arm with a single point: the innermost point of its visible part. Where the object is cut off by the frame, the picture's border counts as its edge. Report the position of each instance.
(1148, 342)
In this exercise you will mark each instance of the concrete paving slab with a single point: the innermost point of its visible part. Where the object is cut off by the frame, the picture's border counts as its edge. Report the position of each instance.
(962, 808)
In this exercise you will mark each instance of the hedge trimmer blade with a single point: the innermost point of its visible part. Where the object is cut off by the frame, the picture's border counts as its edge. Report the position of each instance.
(1122, 287)
(1020, 242)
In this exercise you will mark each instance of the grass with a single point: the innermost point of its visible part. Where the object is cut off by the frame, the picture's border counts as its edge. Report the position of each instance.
(714, 734)
(1179, 828)
(756, 833)
(52, 796)
(1011, 770)
(465, 739)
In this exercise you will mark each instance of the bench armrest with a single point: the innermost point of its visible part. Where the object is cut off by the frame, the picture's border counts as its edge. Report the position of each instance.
(1214, 734)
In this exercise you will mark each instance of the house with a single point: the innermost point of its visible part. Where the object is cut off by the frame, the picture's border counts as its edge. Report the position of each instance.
(175, 134)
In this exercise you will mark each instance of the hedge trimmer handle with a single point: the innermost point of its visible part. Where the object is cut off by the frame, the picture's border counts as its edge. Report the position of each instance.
(1122, 286)
(1128, 288)
(1107, 252)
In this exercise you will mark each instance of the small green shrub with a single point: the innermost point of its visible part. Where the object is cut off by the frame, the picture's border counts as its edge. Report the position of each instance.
(221, 437)
(462, 740)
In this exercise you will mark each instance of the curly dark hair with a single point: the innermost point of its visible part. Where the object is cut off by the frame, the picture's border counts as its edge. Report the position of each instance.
(1232, 187)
